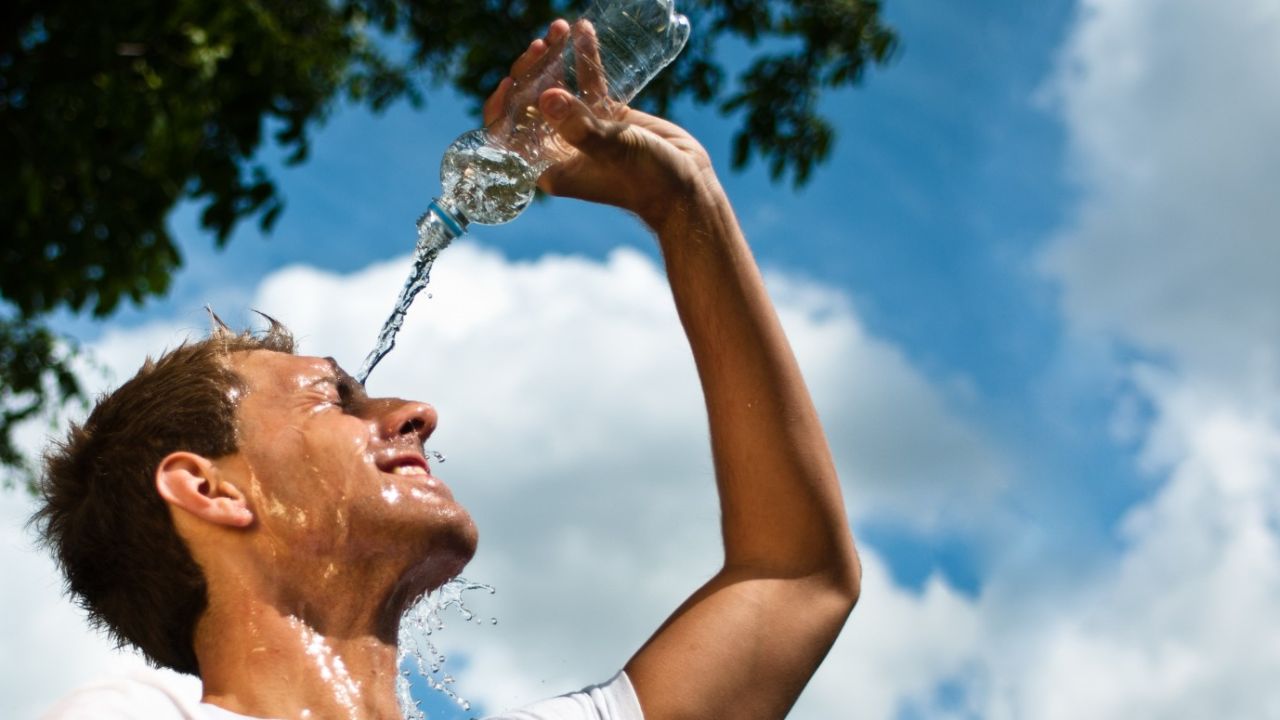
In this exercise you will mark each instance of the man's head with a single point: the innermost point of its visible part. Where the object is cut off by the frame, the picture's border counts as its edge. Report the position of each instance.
(233, 457)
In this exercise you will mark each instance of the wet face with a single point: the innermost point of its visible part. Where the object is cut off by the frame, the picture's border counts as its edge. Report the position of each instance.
(338, 480)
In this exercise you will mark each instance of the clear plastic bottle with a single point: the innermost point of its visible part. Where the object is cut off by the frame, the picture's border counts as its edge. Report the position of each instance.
(610, 54)
(490, 175)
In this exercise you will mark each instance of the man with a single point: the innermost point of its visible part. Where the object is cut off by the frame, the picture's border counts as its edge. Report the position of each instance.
(251, 516)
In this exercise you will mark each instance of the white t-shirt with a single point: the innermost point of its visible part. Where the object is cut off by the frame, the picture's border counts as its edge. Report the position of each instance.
(145, 696)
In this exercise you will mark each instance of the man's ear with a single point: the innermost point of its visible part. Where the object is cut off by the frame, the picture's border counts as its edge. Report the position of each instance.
(193, 483)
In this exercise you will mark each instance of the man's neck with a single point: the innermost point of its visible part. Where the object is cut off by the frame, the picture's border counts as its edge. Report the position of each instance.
(264, 660)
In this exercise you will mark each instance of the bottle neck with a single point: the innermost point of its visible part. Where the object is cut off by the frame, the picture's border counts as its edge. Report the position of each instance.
(451, 218)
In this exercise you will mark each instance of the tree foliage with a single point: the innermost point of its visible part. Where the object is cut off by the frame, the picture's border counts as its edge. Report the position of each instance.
(113, 112)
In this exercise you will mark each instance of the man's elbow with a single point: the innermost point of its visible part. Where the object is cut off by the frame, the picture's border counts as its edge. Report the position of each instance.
(848, 578)
(832, 601)
(840, 582)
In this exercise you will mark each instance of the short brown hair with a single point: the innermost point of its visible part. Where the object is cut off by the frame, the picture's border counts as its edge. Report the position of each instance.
(104, 521)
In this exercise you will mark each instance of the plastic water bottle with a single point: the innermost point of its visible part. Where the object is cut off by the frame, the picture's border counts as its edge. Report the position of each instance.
(611, 53)
(490, 175)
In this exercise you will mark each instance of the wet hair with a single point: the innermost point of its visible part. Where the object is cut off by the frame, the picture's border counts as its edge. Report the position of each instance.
(103, 519)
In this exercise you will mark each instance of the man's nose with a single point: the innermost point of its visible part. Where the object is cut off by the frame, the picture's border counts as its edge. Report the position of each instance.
(404, 417)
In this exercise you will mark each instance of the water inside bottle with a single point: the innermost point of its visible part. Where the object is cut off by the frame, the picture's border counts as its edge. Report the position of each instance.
(490, 179)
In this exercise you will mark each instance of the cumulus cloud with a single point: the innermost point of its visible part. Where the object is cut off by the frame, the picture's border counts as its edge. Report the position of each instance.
(1171, 110)
(898, 647)
(1184, 624)
(575, 433)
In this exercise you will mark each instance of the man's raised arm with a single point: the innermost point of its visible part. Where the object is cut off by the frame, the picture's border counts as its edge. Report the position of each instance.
(745, 644)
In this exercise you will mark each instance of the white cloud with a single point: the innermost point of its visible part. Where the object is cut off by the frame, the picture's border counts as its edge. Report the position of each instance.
(1170, 110)
(576, 435)
(1185, 624)
(896, 649)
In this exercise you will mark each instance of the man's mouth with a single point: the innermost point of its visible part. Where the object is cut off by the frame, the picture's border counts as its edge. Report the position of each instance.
(414, 465)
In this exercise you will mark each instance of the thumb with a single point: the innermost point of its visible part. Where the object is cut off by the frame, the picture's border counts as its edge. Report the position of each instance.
(575, 123)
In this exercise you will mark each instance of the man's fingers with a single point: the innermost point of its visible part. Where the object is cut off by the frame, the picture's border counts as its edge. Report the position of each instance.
(492, 111)
(587, 65)
(529, 57)
(551, 46)
(536, 53)
(557, 31)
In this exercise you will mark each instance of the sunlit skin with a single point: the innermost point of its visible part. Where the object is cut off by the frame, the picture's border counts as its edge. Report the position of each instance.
(336, 522)
(312, 541)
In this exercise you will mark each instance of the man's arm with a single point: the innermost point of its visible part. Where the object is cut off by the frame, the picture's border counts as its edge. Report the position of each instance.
(745, 644)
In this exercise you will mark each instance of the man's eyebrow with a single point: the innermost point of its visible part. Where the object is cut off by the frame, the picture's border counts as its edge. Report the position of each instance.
(330, 378)
(334, 376)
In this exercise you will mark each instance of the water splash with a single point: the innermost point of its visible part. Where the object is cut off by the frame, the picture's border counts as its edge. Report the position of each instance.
(419, 623)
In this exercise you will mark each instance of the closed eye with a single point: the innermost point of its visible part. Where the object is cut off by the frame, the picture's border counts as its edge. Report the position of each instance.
(350, 392)
(346, 395)
(331, 393)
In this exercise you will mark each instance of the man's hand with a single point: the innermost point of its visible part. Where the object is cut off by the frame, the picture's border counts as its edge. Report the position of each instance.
(632, 160)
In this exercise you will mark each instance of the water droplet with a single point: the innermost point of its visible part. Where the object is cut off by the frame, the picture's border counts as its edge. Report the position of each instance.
(416, 626)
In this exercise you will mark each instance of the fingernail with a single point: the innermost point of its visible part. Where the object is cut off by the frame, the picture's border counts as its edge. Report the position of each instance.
(556, 106)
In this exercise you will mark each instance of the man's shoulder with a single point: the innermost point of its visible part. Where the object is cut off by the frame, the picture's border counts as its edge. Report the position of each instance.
(155, 695)
(140, 694)
(612, 700)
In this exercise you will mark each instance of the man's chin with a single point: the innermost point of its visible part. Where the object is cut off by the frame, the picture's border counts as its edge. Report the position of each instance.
(432, 569)
(455, 549)
(441, 552)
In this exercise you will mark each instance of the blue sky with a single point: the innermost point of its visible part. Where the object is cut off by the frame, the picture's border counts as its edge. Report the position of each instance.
(1030, 286)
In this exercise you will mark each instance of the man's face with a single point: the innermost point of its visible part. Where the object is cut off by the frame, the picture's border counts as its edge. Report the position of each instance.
(337, 478)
